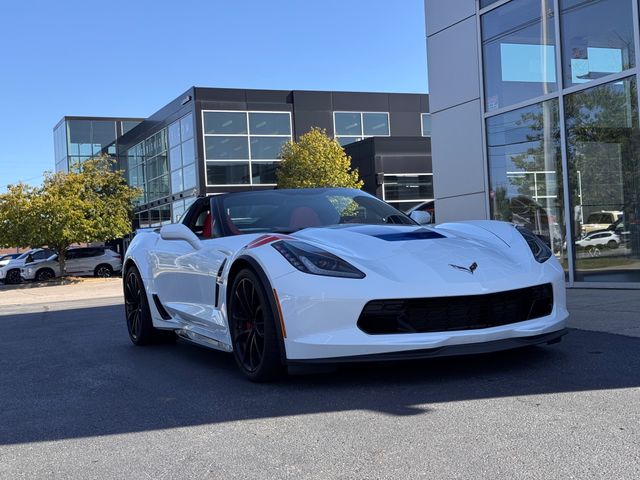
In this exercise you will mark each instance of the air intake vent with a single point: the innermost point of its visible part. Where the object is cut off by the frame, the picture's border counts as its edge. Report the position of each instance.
(443, 314)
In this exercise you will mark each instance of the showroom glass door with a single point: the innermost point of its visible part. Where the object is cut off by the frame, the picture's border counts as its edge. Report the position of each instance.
(603, 151)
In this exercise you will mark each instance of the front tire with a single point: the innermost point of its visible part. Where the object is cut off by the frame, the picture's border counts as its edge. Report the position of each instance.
(253, 331)
(138, 314)
(13, 277)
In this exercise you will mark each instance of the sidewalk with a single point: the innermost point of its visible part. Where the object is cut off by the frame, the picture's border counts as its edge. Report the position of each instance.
(30, 297)
(604, 310)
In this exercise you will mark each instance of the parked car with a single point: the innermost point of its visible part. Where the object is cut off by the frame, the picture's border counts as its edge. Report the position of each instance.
(10, 272)
(96, 261)
(4, 259)
(600, 220)
(329, 275)
(599, 239)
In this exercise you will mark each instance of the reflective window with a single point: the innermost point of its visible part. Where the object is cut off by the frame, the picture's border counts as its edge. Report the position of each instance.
(348, 123)
(189, 176)
(176, 181)
(188, 152)
(426, 124)
(375, 124)
(408, 187)
(525, 171)
(347, 140)
(226, 148)
(174, 134)
(267, 148)
(225, 123)
(231, 138)
(186, 127)
(597, 39)
(486, 3)
(181, 156)
(264, 172)
(604, 172)
(228, 173)
(175, 157)
(128, 125)
(351, 127)
(518, 50)
(261, 123)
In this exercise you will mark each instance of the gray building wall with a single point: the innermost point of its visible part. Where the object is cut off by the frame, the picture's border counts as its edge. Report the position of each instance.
(455, 90)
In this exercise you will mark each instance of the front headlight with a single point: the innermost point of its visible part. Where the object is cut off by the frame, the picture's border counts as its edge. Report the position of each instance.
(541, 252)
(314, 260)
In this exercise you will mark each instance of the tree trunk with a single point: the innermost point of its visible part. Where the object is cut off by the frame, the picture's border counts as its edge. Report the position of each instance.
(61, 261)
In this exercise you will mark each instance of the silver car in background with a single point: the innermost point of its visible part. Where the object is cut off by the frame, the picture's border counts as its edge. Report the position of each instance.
(10, 269)
(89, 261)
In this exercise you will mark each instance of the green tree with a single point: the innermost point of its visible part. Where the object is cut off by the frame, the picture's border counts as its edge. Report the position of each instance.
(316, 161)
(92, 205)
(16, 220)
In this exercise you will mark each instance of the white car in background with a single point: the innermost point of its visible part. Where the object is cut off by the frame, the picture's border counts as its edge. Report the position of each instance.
(10, 271)
(599, 239)
(289, 277)
(93, 261)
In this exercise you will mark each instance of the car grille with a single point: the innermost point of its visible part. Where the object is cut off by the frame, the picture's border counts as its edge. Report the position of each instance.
(441, 314)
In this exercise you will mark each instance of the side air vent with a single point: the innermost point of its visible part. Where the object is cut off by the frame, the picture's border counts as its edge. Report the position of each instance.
(161, 310)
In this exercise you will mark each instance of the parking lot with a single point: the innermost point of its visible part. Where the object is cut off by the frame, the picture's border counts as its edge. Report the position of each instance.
(78, 400)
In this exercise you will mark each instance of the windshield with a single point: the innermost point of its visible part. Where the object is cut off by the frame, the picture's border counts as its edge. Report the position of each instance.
(287, 211)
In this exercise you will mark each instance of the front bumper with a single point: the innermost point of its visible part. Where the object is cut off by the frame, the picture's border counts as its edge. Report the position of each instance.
(321, 314)
(447, 351)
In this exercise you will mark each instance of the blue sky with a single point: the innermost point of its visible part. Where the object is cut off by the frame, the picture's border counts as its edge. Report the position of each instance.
(129, 58)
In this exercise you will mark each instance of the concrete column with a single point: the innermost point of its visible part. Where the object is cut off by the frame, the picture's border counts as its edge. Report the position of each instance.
(459, 168)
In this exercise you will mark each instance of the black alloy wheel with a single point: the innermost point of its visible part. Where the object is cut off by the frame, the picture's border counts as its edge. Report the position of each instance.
(136, 307)
(253, 332)
(13, 277)
(103, 271)
(44, 275)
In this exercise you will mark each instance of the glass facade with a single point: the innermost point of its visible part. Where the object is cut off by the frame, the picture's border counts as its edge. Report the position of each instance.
(562, 129)
(407, 189)
(78, 139)
(352, 127)
(243, 148)
(161, 165)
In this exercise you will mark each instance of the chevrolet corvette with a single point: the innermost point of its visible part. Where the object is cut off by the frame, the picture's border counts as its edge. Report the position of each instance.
(281, 278)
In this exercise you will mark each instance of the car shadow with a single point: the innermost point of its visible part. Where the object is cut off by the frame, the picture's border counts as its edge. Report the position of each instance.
(74, 373)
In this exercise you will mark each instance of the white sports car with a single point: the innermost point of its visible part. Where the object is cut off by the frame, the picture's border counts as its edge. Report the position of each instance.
(292, 277)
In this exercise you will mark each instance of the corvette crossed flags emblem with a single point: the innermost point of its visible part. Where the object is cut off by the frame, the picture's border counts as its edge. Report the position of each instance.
(470, 269)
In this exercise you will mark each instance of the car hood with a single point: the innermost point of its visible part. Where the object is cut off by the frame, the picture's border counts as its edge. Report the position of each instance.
(12, 263)
(413, 253)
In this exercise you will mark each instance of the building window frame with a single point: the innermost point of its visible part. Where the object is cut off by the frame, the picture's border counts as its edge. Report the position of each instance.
(248, 135)
(362, 136)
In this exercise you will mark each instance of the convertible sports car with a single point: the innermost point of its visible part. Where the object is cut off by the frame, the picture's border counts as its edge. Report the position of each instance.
(292, 277)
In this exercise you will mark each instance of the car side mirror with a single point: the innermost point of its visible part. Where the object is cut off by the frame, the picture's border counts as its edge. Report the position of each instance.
(420, 217)
(178, 231)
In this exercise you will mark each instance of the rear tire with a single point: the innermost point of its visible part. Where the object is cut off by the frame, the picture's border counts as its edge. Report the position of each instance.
(45, 275)
(103, 271)
(254, 336)
(612, 244)
(138, 314)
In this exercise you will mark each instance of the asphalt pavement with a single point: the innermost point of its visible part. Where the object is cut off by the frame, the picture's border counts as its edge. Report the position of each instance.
(78, 400)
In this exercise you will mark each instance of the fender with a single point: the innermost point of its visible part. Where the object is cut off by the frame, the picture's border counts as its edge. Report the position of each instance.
(259, 271)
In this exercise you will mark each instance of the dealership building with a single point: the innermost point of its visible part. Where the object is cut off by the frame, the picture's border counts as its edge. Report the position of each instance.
(212, 140)
(534, 108)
